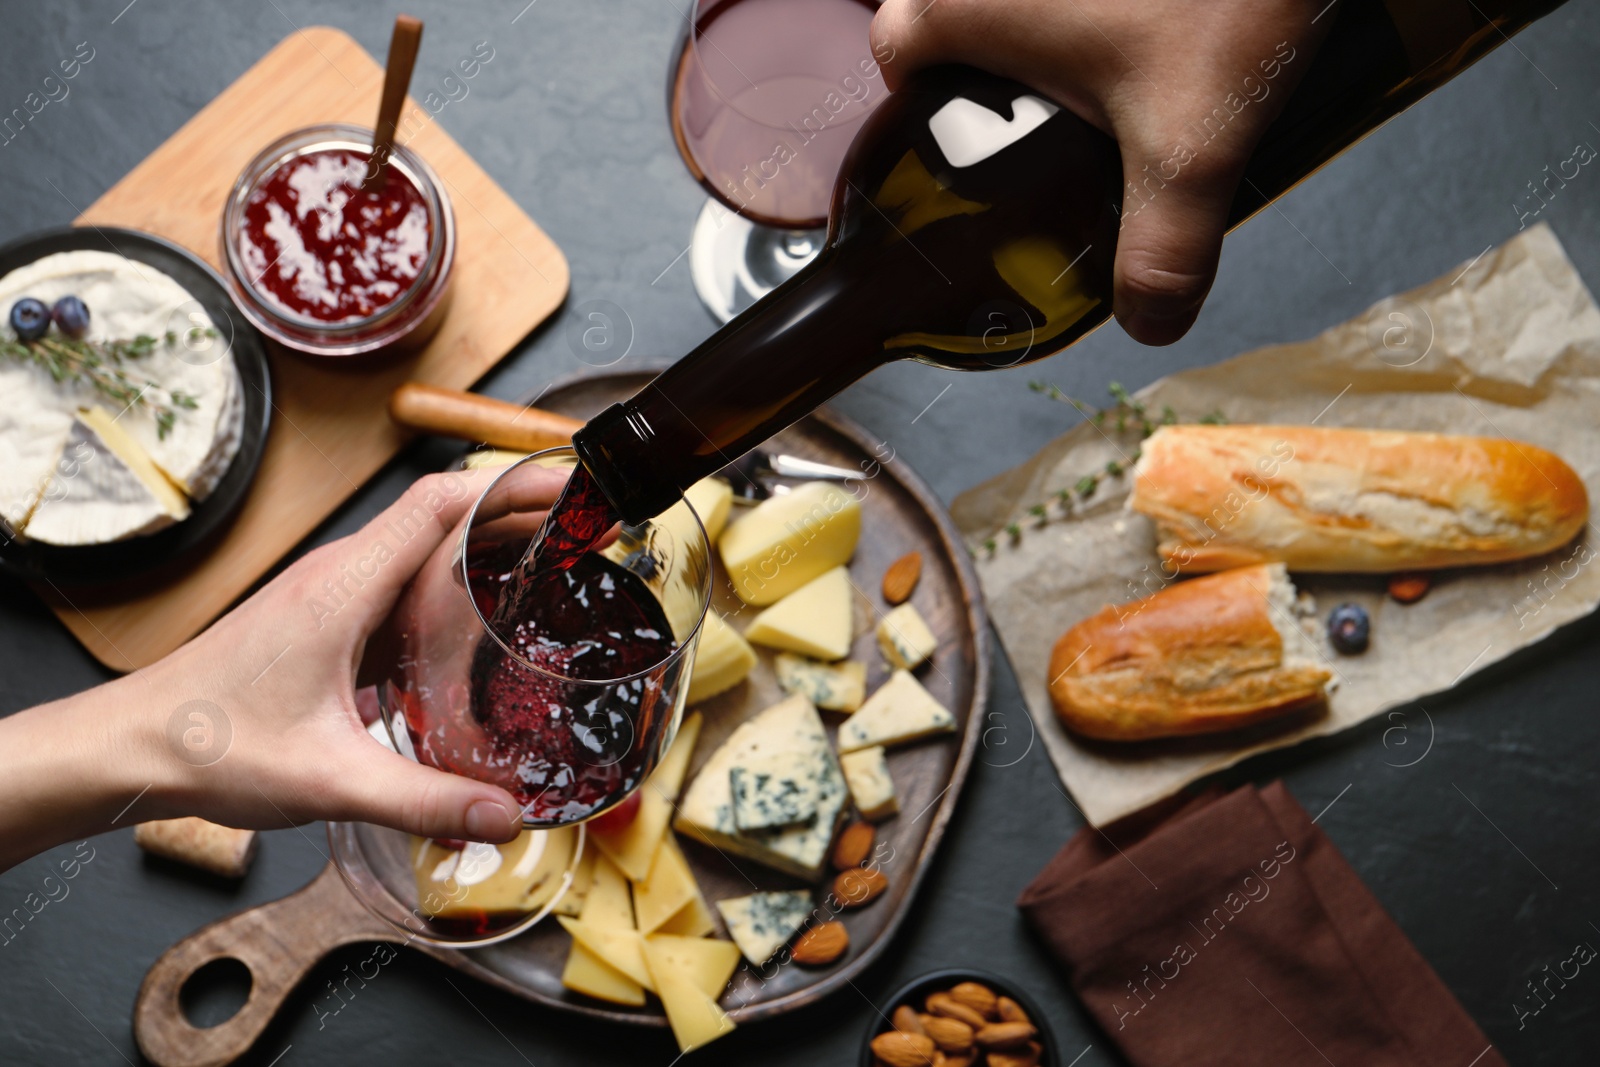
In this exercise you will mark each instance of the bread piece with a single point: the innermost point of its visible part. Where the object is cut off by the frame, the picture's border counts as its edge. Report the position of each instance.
(1371, 501)
(1200, 656)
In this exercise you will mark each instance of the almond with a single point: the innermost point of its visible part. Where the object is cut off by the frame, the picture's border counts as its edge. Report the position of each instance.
(859, 886)
(959, 1060)
(980, 998)
(854, 845)
(899, 1049)
(906, 1021)
(1006, 1036)
(1010, 1011)
(947, 1005)
(951, 1035)
(1023, 1057)
(822, 945)
(1409, 588)
(900, 580)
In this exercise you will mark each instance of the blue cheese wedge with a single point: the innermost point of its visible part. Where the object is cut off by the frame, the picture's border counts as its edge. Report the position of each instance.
(900, 711)
(905, 638)
(834, 686)
(763, 923)
(706, 809)
(773, 789)
(867, 774)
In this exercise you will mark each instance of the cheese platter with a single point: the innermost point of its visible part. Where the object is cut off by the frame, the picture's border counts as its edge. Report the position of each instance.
(786, 848)
(133, 413)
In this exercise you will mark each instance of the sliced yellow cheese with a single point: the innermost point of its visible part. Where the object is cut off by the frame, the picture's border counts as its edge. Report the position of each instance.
(620, 949)
(723, 660)
(137, 460)
(708, 964)
(518, 877)
(694, 919)
(633, 848)
(693, 1015)
(786, 541)
(571, 902)
(609, 904)
(592, 976)
(712, 499)
(905, 639)
(668, 887)
(814, 620)
(491, 457)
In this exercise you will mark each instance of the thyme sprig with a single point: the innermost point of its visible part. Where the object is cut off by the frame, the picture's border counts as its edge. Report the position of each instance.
(100, 364)
(1126, 415)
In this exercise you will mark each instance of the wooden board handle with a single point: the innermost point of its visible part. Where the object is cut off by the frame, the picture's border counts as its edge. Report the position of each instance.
(279, 942)
(472, 417)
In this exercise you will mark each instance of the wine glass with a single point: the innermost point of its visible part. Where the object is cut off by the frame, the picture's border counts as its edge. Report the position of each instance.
(765, 97)
(568, 702)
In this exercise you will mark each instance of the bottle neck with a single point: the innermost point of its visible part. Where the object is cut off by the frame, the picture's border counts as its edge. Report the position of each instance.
(766, 369)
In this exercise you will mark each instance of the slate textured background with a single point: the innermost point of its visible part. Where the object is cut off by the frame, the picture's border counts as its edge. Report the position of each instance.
(569, 118)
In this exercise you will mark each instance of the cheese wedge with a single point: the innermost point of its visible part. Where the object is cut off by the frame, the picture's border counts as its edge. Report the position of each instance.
(762, 923)
(592, 976)
(518, 877)
(633, 848)
(814, 620)
(905, 639)
(723, 660)
(571, 902)
(773, 789)
(666, 890)
(609, 904)
(619, 949)
(694, 919)
(706, 812)
(105, 487)
(900, 711)
(786, 541)
(867, 774)
(834, 686)
(693, 1015)
(708, 964)
(712, 499)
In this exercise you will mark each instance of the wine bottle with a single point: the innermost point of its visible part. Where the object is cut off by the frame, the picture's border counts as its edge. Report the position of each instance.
(974, 226)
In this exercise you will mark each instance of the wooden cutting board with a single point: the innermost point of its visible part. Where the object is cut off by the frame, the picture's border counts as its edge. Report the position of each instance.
(330, 430)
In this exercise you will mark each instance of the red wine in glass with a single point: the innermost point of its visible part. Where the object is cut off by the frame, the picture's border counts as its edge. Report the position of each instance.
(766, 96)
(569, 748)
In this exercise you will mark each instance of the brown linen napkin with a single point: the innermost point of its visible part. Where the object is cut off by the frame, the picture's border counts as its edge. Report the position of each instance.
(1231, 932)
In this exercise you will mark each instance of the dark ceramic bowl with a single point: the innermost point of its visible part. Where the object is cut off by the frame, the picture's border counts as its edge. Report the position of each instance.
(916, 991)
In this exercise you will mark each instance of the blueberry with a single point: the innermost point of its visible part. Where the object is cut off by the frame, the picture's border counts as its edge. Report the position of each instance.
(30, 318)
(71, 315)
(1349, 629)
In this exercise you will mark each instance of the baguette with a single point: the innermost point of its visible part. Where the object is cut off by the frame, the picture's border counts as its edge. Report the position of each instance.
(1367, 501)
(1200, 656)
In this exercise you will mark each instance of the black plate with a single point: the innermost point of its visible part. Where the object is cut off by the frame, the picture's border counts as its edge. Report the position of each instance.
(120, 560)
(916, 991)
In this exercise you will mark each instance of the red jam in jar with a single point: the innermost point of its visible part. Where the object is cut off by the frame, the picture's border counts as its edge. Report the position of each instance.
(321, 247)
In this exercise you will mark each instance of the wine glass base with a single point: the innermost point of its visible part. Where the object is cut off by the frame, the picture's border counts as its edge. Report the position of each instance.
(735, 262)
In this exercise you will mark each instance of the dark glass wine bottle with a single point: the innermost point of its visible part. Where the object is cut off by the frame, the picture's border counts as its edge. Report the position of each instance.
(974, 226)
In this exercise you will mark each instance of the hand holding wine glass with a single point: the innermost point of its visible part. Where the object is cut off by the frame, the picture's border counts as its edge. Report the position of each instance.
(1186, 90)
(254, 723)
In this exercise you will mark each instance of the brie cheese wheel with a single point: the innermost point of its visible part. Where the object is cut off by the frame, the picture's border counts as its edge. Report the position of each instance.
(126, 299)
(103, 488)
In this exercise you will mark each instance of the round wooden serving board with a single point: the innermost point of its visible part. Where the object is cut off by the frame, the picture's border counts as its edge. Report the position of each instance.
(280, 941)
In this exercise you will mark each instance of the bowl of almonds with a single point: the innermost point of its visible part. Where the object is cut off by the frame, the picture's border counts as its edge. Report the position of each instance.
(961, 1019)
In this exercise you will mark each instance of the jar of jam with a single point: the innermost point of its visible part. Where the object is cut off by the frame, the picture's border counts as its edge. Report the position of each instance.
(324, 267)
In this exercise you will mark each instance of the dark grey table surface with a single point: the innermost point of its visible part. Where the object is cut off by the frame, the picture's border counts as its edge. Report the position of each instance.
(1484, 851)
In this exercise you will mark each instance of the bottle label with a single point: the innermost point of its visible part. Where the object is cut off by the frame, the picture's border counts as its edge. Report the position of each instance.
(968, 133)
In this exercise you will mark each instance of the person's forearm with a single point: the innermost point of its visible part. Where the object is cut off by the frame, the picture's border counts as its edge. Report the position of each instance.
(73, 768)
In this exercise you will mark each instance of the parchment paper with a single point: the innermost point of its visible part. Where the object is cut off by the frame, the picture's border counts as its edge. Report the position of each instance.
(1508, 346)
